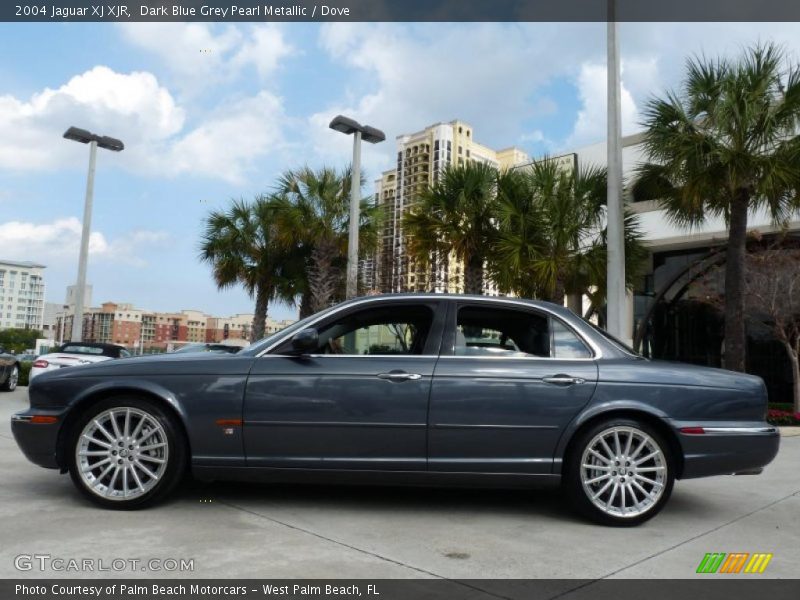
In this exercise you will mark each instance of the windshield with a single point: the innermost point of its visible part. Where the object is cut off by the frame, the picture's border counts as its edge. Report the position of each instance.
(264, 343)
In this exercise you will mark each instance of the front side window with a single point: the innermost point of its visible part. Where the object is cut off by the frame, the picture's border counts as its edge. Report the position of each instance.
(400, 330)
(489, 331)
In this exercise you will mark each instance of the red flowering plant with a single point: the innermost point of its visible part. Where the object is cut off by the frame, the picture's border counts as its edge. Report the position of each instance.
(776, 416)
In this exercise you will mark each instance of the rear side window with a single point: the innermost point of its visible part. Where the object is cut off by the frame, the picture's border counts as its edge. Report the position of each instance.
(489, 331)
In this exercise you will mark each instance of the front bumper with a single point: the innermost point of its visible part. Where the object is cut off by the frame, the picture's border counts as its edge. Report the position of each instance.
(38, 441)
(723, 449)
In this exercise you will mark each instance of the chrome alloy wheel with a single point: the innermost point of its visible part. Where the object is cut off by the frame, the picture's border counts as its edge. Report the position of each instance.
(623, 471)
(13, 379)
(122, 453)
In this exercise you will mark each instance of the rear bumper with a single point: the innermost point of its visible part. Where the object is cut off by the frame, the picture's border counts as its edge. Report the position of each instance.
(38, 441)
(724, 449)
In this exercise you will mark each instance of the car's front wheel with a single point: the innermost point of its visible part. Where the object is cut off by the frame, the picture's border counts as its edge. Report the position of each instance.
(619, 472)
(11, 381)
(126, 453)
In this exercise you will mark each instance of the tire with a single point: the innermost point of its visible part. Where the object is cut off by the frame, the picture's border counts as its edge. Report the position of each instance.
(623, 492)
(126, 453)
(11, 381)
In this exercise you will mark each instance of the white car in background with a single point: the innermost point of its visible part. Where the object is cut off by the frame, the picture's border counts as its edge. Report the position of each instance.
(75, 354)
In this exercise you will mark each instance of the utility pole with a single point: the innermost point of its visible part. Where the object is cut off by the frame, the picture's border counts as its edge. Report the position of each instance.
(616, 313)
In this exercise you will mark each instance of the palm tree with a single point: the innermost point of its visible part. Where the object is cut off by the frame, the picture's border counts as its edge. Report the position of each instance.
(240, 244)
(724, 145)
(312, 218)
(456, 214)
(551, 239)
(547, 229)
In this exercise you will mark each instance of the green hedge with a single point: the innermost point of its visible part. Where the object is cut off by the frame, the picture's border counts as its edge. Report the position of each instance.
(24, 372)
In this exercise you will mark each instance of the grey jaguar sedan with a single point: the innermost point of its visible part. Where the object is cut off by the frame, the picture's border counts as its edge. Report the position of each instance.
(405, 389)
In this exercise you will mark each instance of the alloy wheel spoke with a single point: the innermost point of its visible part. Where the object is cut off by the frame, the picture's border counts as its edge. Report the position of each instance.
(146, 470)
(600, 478)
(93, 466)
(608, 450)
(136, 478)
(110, 489)
(602, 490)
(627, 450)
(114, 426)
(127, 426)
(103, 474)
(152, 447)
(650, 456)
(103, 430)
(151, 459)
(599, 456)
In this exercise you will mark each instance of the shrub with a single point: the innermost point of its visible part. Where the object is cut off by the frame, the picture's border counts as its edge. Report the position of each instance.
(24, 372)
(782, 417)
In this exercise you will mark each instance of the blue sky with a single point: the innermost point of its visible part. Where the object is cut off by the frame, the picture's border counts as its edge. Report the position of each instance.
(211, 112)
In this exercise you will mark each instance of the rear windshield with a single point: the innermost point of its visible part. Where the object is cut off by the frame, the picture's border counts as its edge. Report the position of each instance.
(82, 350)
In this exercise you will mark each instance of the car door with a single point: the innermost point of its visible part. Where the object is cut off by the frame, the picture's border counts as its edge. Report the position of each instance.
(509, 380)
(360, 401)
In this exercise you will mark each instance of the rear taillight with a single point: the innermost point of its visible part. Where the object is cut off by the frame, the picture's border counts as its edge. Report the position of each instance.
(40, 364)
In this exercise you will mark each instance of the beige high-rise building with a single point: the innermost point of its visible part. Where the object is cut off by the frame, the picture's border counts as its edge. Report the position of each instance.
(421, 157)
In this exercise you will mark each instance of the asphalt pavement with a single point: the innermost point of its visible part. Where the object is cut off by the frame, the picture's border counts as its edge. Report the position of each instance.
(290, 531)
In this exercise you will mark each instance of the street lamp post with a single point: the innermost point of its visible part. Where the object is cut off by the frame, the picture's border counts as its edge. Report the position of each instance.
(616, 297)
(84, 137)
(373, 136)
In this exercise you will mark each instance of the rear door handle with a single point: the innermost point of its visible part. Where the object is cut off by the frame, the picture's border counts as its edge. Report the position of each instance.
(563, 380)
(399, 376)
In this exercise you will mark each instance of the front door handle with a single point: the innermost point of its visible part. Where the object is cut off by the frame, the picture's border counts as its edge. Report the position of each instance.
(399, 376)
(564, 380)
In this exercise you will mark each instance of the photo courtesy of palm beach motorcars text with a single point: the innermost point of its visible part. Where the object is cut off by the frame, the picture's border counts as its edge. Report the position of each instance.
(399, 299)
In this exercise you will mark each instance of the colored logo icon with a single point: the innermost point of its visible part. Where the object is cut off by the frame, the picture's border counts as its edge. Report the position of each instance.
(734, 562)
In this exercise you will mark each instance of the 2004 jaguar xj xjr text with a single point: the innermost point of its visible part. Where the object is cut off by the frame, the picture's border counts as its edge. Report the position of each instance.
(405, 389)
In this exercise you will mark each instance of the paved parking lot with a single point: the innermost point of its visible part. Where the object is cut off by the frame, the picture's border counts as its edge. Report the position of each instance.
(276, 531)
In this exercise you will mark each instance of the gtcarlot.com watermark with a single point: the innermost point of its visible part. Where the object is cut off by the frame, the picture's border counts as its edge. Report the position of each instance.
(59, 564)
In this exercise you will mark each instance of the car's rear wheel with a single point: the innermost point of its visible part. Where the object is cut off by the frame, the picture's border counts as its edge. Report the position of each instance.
(620, 472)
(126, 453)
(11, 381)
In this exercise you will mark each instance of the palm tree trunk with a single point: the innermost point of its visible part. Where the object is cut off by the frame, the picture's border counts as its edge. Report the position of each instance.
(260, 317)
(323, 276)
(473, 276)
(560, 292)
(735, 336)
(305, 305)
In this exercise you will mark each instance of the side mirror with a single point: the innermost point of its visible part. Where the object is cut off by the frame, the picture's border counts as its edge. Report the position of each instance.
(305, 341)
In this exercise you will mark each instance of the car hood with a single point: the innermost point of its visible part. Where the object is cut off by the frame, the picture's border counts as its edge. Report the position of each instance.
(67, 358)
(162, 364)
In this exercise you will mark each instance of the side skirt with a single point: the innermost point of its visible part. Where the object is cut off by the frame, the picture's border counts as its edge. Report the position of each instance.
(366, 477)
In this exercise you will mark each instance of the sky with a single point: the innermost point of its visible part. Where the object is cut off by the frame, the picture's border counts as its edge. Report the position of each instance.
(215, 112)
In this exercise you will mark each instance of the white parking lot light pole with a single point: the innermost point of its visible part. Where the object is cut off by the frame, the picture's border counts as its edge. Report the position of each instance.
(81, 135)
(373, 136)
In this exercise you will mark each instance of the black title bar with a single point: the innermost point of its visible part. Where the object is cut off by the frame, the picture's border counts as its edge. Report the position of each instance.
(401, 10)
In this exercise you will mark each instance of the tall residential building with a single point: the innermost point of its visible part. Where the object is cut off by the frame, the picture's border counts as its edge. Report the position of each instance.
(421, 157)
(21, 295)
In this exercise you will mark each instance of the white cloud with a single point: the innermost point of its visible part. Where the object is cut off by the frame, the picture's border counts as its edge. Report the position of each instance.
(409, 77)
(132, 107)
(228, 144)
(135, 108)
(591, 122)
(203, 54)
(59, 242)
